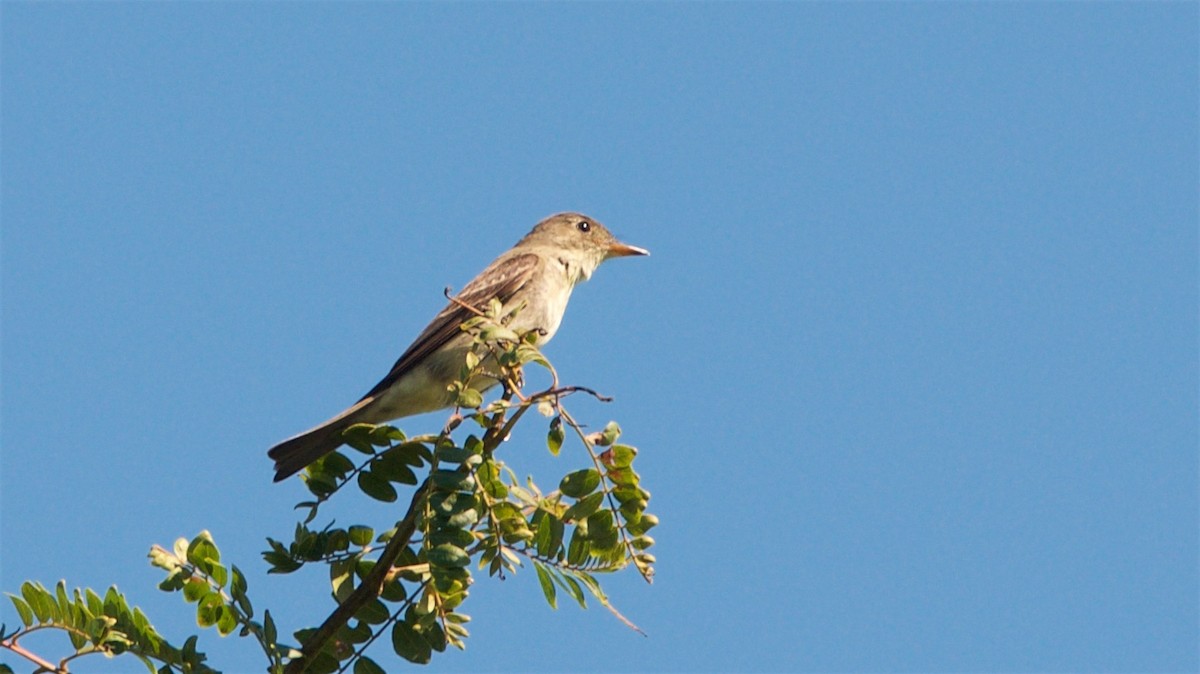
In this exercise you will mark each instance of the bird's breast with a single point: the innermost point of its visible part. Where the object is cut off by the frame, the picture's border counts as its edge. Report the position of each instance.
(546, 302)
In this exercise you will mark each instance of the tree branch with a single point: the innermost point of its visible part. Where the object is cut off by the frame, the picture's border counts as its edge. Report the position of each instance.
(42, 663)
(369, 589)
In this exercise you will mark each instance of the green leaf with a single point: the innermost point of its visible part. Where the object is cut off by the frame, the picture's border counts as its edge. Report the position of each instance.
(113, 602)
(473, 445)
(603, 541)
(202, 550)
(580, 483)
(195, 590)
(361, 535)
(577, 551)
(452, 454)
(337, 464)
(394, 591)
(453, 480)
(392, 467)
(575, 591)
(362, 568)
(319, 484)
(359, 633)
(463, 519)
(23, 609)
(622, 455)
(554, 438)
(452, 600)
(624, 477)
(336, 540)
(547, 584)
(600, 522)
(226, 621)
(460, 537)
(341, 574)
(448, 555)
(527, 353)
(80, 606)
(435, 636)
(208, 610)
(281, 563)
(549, 533)
(269, 632)
(376, 487)
(359, 438)
(493, 333)
(505, 510)
(626, 493)
(64, 603)
(488, 475)
(610, 434)
(409, 645)
(585, 507)
(470, 362)
(413, 453)
(77, 639)
(382, 436)
(189, 648)
(38, 599)
(642, 542)
(238, 586)
(449, 580)
(365, 665)
(373, 612)
(451, 503)
(237, 590)
(94, 602)
(469, 398)
(219, 574)
(645, 523)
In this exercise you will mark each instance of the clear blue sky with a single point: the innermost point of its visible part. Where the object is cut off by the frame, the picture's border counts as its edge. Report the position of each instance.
(913, 366)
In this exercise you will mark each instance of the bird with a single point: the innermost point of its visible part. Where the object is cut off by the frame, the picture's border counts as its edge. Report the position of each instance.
(541, 270)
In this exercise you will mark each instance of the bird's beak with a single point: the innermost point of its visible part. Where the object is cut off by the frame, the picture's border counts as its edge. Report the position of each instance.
(618, 249)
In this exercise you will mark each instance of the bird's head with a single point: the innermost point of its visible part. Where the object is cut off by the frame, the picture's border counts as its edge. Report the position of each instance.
(583, 240)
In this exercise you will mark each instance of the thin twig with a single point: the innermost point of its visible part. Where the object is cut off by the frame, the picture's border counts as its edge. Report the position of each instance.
(567, 390)
(464, 305)
(43, 664)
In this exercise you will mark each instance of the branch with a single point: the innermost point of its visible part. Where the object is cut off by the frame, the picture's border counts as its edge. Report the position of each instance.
(563, 391)
(464, 305)
(369, 589)
(42, 663)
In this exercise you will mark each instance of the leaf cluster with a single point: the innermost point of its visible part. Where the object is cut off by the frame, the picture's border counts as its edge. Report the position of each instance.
(96, 625)
(194, 568)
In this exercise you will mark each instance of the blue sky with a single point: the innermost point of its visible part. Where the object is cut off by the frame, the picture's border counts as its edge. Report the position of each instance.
(913, 367)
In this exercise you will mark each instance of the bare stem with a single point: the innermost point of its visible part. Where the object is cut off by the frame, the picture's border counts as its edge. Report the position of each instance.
(42, 663)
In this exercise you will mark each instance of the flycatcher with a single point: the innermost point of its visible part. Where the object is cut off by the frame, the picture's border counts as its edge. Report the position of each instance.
(541, 270)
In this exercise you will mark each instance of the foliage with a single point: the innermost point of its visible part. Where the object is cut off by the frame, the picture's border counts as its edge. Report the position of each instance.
(409, 582)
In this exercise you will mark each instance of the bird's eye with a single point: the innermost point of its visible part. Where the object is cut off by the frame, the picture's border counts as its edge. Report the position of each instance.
(584, 226)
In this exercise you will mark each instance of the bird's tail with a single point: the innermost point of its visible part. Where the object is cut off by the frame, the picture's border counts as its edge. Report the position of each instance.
(292, 455)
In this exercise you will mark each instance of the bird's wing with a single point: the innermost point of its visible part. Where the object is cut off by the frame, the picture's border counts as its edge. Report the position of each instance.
(502, 279)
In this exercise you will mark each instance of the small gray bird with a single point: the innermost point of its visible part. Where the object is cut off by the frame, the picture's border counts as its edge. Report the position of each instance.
(541, 270)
